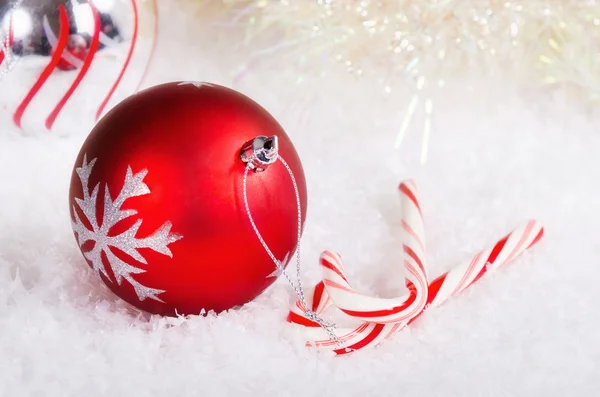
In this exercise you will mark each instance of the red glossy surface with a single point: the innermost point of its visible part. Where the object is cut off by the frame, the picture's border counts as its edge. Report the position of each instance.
(188, 138)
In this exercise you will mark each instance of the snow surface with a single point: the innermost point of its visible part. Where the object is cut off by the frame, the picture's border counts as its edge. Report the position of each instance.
(498, 155)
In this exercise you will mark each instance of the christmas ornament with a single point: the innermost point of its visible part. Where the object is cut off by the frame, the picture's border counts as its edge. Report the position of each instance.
(72, 59)
(381, 318)
(172, 188)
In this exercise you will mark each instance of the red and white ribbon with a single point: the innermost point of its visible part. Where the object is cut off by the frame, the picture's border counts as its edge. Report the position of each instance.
(383, 317)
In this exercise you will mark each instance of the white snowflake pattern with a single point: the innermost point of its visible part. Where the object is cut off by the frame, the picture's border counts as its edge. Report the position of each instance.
(126, 241)
(197, 84)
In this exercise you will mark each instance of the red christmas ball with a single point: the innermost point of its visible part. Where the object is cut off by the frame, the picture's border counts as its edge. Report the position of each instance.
(157, 203)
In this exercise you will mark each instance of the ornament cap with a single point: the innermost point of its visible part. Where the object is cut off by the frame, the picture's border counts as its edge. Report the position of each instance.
(260, 152)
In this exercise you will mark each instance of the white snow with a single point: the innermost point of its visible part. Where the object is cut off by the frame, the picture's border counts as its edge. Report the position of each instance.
(498, 155)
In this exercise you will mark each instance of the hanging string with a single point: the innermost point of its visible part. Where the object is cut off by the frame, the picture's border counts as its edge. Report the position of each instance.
(328, 327)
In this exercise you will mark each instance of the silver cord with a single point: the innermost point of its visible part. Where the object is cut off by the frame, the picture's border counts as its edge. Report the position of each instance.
(328, 327)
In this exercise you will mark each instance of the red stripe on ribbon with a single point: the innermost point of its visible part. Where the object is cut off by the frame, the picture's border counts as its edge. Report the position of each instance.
(127, 61)
(84, 69)
(63, 36)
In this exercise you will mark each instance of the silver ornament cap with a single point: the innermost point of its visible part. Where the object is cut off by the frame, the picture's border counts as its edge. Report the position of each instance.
(260, 152)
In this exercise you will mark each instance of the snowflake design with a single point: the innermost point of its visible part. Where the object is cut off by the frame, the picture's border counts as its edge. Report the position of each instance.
(197, 84)
(126, 241)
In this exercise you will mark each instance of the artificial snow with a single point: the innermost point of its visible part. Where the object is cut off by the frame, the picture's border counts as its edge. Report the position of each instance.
(498, 155)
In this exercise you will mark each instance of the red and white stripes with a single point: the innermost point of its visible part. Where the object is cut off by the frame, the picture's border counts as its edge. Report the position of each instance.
(381, 318)
(58, 42)
(82, 65)
(505, 250)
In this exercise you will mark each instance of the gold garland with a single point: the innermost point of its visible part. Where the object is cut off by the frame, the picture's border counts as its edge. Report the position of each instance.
(555, 42)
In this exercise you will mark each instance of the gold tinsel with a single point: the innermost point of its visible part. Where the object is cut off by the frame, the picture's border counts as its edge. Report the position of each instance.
(554, 42)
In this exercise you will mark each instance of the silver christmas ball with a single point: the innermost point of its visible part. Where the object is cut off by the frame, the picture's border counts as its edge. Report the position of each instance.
(67, 62)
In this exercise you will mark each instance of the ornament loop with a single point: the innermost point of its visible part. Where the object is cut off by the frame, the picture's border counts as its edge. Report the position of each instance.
(260, 152)
(261, 146)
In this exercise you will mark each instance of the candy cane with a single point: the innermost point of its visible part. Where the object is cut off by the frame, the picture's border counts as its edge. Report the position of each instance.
(379, 310)
(505, 250)
(371, 333)
(363, 335)
(462, 277)
(382, 315)
(449, 284)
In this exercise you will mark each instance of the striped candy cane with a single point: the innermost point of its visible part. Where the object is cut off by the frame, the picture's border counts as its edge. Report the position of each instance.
(381, 316)
(378, 310)
(371, 333)
(505, 250)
